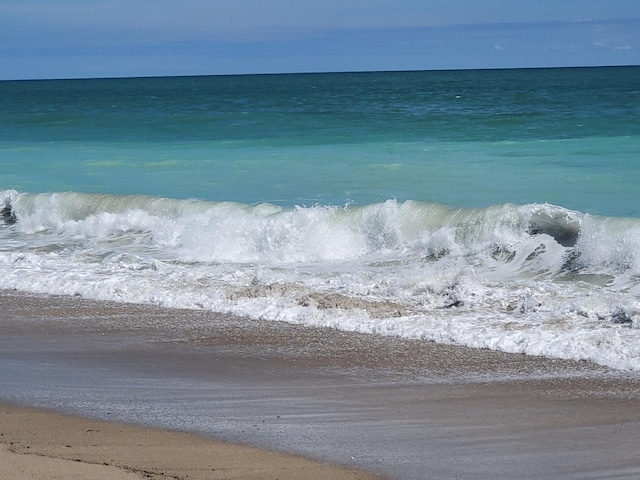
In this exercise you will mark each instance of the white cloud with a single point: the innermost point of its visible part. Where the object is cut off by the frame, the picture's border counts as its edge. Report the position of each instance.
(613, 43)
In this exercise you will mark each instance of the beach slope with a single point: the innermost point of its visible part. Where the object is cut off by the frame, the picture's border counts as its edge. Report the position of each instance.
(405, 409)
(42, 445)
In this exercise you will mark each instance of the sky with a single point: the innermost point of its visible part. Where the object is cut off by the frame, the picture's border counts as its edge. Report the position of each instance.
(129, 38)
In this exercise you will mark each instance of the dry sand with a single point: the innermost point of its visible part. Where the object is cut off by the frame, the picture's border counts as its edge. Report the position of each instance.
(400, 408)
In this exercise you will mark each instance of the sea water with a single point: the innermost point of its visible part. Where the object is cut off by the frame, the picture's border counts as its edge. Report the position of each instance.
(496, 209)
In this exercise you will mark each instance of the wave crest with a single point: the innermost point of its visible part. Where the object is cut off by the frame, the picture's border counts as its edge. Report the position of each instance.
(199, 231)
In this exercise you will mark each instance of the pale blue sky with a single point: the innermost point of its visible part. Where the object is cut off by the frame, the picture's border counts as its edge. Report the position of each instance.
(112, 38)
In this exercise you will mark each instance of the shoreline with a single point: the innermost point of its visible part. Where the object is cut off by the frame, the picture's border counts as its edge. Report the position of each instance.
(394, 407)
(37, 444)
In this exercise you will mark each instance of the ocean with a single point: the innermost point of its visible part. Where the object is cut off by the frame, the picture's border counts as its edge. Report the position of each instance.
(495, 209)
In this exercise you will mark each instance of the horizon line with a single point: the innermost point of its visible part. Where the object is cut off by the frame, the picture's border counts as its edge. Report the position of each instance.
(319, 72)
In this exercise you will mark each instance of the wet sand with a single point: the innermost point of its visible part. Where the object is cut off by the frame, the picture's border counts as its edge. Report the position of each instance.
(399, 408)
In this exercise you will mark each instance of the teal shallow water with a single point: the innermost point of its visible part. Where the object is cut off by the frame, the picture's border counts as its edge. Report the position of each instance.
(595, 175)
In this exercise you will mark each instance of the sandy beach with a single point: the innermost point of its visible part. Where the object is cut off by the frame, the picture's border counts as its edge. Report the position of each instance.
(39, 445)
(181, 390)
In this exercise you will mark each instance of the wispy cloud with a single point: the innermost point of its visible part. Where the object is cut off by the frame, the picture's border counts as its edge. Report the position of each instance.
(615, 37)
(614, 43)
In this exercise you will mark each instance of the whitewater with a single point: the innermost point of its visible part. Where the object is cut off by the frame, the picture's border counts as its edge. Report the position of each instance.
(537, 279)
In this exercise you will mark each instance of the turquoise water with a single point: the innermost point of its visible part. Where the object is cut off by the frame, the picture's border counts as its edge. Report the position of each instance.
(467, 138)
(496, 209)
